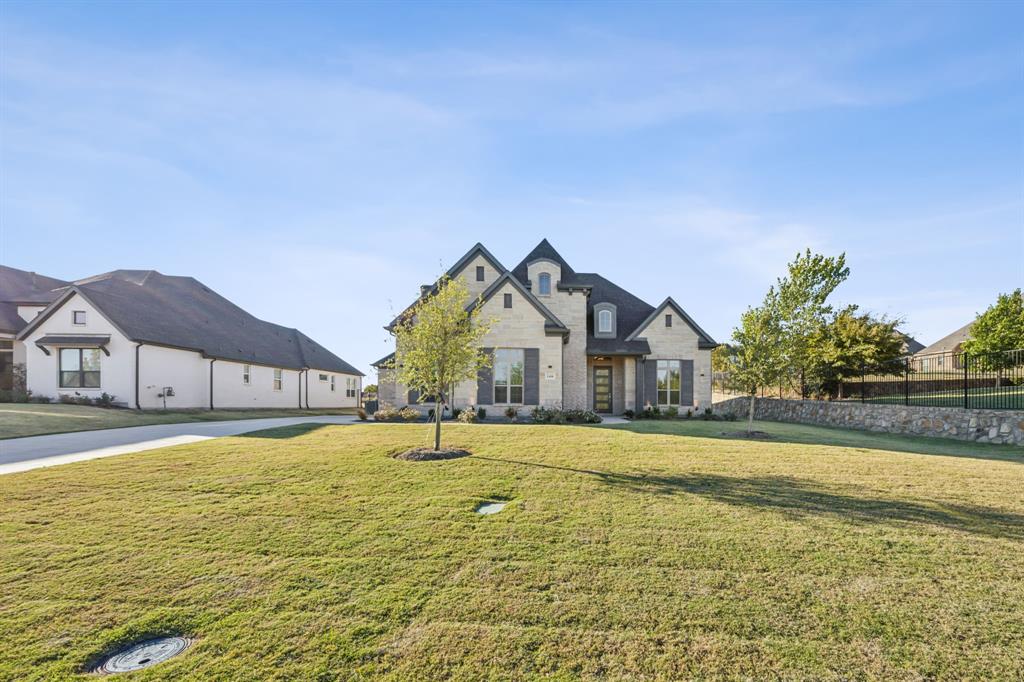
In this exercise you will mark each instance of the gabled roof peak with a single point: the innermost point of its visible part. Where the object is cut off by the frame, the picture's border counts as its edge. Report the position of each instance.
(543, 251)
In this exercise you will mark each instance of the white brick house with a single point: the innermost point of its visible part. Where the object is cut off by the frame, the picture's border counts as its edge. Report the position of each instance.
(135, 333)
(572, 340)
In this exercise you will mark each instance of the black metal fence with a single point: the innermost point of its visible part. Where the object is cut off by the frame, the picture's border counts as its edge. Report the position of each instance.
(992, 381)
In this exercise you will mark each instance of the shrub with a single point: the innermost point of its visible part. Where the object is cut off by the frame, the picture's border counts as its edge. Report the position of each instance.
(467, 416)
(409, 414)
(105, 400)
(456, 412)
(511, 413)
(481, 413)
(44, 399)
(66, 399)
(386, 414)
(15, 395)
(582, 417)
(689, 414)
(672, 412)
(628, 414)
(361, 413)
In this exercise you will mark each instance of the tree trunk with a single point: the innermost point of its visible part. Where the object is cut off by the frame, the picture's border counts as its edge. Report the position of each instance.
(437, 424)
(750, 417)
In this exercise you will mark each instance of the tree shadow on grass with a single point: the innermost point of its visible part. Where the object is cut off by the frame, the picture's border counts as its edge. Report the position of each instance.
(832, 436)
(284, 432)
(800, 498)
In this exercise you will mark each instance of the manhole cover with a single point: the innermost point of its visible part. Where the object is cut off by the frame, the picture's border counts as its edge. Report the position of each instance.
(144, 654)
(490, 507)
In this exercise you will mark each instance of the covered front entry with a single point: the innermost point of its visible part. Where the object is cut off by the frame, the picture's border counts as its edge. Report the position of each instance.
(603, 389)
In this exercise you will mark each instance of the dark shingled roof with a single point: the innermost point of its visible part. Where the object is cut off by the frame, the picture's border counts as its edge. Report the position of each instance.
(545, 250)
(630, 311)
(913, 345)
(24, 287)
(182, 312)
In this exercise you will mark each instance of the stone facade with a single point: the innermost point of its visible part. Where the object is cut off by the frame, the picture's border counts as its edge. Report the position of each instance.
(679, 342)
(979, 426)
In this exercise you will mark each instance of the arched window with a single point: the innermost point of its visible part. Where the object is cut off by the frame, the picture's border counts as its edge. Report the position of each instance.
(544, 284)
(604, 321)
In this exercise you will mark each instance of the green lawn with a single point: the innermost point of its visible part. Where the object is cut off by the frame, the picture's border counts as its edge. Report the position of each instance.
(652, 551)
(33, 419)
(1002, 398)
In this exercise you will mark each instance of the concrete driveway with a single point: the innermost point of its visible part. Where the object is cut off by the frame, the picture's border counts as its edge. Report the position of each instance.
(33, 452)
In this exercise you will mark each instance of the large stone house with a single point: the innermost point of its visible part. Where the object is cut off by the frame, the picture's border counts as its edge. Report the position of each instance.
(571, 339)
(153, 340)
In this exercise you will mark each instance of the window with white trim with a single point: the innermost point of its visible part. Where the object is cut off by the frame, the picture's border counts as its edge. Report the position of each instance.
(604, 321)
(669, 379)
(78, 317)
(246, 375)
(351, 386)
(278, 379)
(544, 284)
(323, 378)
(509, 364)
(79, 368)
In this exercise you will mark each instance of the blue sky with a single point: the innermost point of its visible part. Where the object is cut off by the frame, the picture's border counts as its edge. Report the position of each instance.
(316, 162)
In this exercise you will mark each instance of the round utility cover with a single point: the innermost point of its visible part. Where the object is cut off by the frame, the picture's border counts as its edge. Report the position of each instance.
(144, 654)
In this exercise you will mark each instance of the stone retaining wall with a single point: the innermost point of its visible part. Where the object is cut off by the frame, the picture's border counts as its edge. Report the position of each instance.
(979, 426)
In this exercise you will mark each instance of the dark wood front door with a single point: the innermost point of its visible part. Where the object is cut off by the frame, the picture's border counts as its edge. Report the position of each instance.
(603, 390)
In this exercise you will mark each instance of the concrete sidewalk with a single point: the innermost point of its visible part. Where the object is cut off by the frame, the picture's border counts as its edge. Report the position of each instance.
(33, 452)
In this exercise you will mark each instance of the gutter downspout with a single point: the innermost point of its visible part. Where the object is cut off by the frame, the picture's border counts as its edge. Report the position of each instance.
(307, 388)
(300, 389)
(212, 360)
(137, 347)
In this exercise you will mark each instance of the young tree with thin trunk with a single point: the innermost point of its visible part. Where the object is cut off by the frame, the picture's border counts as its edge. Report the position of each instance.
(758, 358)
(437, 346)
(998, 329)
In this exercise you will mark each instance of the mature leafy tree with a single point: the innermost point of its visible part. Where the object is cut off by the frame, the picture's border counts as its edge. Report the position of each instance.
(438, 346)
(1000, 328)
(758, 360)
(851, 344)
(802, 305)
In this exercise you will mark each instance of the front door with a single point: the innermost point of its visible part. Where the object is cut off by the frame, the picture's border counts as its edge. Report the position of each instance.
(603, 390)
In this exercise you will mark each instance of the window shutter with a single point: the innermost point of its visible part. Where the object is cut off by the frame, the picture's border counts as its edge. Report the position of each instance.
(485, 381)
(650, 382)
(531, 376)
(686, 382)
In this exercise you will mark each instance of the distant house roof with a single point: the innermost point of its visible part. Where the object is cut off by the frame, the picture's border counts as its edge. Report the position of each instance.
(150, 307)
(913, 345)
(949, 343)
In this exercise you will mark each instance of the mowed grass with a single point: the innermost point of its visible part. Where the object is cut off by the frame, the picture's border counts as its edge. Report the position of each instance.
(1002, 398)
(33, 419)
(655, 551)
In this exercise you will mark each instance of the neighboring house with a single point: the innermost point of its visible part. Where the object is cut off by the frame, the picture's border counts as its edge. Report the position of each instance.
(135, 333)
(943, 354)
(573, 340)
(911, 345)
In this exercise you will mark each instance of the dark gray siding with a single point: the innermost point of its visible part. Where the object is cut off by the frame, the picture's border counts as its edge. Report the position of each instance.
(650, 382)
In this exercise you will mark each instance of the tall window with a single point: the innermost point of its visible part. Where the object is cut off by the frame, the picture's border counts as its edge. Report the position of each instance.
(668, 382)
(79, 367)
(604, 321)
(278, 380)
(351, 384)
(479, 273)
(668, 320)
(246, 374)
(544, 284)
(332, 383)
(508, 300)
(508, 376)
